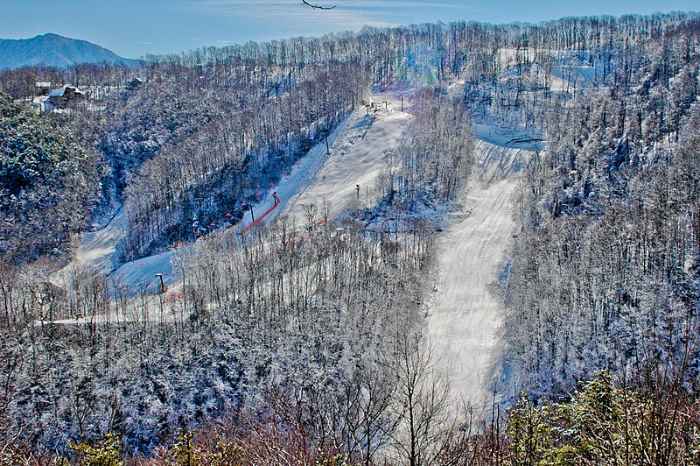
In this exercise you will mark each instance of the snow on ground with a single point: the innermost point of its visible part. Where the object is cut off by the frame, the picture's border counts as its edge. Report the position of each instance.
(559, 84)
(578, 74)
(302, 174)
(359, 157)
(570, 70)
(96, 251)
(497, 162)
(508, 56)
(97, 254)
(148, 310)
(358, 149)
(139, 276)
(456, 89)
(464, 316)
(97, 248)
(506, 136)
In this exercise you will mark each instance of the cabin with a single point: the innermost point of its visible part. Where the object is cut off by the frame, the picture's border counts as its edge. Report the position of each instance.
(134, 84)
(57, 99)
(42, 87)
(41, 104)
(63, 96)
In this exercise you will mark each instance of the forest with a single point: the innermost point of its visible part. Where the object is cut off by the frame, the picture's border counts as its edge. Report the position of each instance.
(305, 344)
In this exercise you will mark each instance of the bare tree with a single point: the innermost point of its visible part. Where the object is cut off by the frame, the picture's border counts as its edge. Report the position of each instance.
(318, 7)
(427, 424)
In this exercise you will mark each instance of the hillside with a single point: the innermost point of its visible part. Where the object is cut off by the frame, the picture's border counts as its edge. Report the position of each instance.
(454, 244)
(43, 169)
(56, 51)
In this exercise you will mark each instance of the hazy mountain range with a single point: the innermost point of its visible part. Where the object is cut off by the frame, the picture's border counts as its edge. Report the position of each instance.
(56, 51)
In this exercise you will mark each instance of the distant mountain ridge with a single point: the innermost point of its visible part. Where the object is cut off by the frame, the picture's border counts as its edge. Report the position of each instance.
(55, 51)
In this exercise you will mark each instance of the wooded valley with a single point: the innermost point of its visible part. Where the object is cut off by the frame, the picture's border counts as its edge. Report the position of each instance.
(305, 342)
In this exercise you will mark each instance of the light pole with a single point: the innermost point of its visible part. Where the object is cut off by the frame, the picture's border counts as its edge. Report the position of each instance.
(162, 284)
(160, 296)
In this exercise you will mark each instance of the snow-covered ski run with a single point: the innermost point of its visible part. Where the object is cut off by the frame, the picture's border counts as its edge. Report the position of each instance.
(464, 316)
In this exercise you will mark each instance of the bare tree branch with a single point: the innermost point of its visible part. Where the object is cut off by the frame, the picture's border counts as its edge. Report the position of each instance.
(319, 7)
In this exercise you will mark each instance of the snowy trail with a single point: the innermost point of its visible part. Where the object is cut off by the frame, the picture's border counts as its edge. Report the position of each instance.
(358, 149)
(302, 174)
(464, 316)
(359, 157)
(97, 249)
(314, 177)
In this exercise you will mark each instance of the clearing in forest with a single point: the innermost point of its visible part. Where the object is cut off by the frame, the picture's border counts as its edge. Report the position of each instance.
(464, 315)
(359, 156)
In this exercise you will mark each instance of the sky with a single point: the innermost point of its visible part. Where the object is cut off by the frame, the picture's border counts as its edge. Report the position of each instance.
(133, 28)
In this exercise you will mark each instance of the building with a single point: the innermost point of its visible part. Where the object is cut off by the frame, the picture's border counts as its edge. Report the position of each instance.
(57, 99)
(134, 84)
(43, 87)
(41, 104)
(61, 97)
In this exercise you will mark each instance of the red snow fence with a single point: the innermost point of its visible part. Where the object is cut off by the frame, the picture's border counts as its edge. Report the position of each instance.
(264, 215)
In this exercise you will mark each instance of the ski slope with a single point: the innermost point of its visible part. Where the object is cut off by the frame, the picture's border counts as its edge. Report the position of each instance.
(302, 175)
(359, 149)
(464, 315)
(360, 155)
(139, 276)
(97, 250)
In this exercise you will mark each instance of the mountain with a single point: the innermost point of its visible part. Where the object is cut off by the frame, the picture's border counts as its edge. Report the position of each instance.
(54, 50)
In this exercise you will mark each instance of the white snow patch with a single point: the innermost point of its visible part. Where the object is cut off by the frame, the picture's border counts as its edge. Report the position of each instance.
(140, 275)
(359, 157)
(96, 251)
(507, 136)
(464, 317)
(297, 180)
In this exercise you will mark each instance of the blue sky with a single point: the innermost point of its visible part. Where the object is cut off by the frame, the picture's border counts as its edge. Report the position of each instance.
(133, 28)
